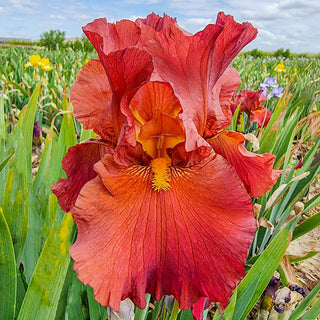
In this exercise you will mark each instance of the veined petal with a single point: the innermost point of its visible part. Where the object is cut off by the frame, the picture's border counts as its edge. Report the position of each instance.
(127, 70)
(219, 113)
(255, 170)
(198, 61)
(107, 37)
(132, 239)
(91, 97)
(155, 98)
(78, 165)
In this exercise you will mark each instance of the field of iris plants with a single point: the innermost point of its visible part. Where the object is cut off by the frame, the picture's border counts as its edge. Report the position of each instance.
(36, 129)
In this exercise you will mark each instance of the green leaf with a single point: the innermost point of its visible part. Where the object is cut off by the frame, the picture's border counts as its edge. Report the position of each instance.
(228, 313)
(2, 120)
(8, 276)
(306, 226)
(141, 314)
(313, 313)
(254, 283)
(94, 306)
(309, 255)
(304, 304)
(86, 135)
(41, 300)
(6, 160)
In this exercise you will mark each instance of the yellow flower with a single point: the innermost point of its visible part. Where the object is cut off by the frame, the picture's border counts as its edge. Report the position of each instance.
(34, 60)
(86, 60)
(280, 67)
(264, 66)
(45, 64)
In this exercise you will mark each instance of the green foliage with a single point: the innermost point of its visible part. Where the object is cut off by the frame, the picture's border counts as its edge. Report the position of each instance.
(52, 39)
(281, 53)
(256, 53)
(35, 234)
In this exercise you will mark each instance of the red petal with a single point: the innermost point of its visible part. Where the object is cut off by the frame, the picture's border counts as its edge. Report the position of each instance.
(255, 170)
(190, 241)
(193, 64)
(198, 308)
(107, 37)
(219, 113)
(249, 100)
(78, 164)
(262, 116)
(91, 97)
(127, 71)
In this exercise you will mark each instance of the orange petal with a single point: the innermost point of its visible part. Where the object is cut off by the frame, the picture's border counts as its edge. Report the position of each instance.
(255, 170)
(262, 116)
(190, 241)
(159, 134)
(154, 98)
(91, 97)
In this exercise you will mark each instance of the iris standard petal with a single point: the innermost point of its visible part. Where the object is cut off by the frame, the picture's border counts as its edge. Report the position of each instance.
(91, 97)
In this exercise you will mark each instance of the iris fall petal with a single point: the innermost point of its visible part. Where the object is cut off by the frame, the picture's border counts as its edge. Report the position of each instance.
(255, 170)
(84, 155)
(132, 240)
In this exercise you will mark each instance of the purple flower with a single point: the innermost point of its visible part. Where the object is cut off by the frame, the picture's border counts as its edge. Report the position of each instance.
(270, 88)
(37, 131)
(269, 82)
(276, 92)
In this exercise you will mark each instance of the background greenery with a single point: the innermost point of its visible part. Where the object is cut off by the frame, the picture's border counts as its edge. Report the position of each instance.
(35, 235)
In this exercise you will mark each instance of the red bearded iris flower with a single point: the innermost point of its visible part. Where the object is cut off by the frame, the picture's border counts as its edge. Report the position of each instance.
(162, 198)
(251, 103)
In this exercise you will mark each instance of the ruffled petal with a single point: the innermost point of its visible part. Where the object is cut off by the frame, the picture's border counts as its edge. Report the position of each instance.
(91, 97)
(198, 61)
(107, 37)
(78, 165)
(219, 113)
(255, 170)
(190, 241)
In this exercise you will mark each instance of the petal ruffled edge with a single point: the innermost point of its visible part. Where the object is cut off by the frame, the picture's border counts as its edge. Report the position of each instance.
(78, 164)
(91, 97)
(168, 242)
(255, 170)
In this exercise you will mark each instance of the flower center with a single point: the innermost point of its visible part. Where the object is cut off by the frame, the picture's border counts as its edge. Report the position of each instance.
(160, 181)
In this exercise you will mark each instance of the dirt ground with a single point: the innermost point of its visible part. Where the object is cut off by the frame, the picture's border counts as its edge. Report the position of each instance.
(308, 271)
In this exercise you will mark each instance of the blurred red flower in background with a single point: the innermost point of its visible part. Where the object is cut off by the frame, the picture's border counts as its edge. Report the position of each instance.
(251, 103)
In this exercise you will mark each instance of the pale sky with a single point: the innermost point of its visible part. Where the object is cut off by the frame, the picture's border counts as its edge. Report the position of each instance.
(293, 24)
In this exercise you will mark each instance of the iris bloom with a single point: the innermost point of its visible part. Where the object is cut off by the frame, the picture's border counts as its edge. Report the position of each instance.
(280, 67)
(36, 61)
(251, 103)
(162, 198)
(270, 88)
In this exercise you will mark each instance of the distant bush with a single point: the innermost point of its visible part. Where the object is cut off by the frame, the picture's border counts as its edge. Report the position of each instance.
(52, 39)
(80, 44)
(256, 53)
(282, 53)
